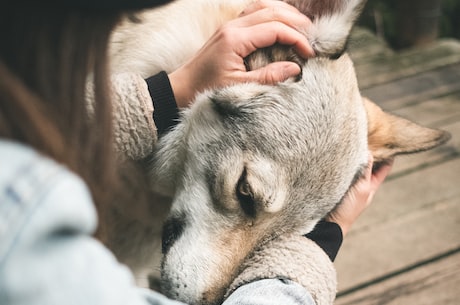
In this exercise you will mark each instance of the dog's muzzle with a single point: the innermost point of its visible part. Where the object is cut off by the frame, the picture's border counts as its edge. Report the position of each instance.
(172, 230)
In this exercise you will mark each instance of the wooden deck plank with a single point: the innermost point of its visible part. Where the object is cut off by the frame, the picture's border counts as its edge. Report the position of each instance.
(410, 163)
(405, 249)
(385, 69)
(407, 194)
(403, 241)
(416, 88)
(443, 113)
(364, 46)
(433, 112)
(413, 218)
(436, 282)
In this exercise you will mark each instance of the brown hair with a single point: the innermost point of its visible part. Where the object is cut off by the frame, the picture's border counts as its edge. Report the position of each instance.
(47, 57)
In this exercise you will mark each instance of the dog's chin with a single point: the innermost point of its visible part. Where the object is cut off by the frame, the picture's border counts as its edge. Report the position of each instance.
(200, 276)
(212, 297)
(182, 283)
(179, 292)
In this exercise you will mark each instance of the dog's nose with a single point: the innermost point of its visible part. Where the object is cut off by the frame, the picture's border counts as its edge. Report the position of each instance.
(172, 230)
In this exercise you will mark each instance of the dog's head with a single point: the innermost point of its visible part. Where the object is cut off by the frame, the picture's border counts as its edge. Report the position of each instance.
(250, 162)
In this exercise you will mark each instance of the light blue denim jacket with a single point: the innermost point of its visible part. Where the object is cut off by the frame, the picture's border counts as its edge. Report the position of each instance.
(48, 255)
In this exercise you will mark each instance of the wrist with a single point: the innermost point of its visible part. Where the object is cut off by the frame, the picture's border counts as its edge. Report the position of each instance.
(165, 113)
(328, 236)
(182, 87)
(343, 218)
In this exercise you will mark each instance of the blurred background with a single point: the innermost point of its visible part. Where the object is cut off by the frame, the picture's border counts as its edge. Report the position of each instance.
(405, 248)
(405, 23)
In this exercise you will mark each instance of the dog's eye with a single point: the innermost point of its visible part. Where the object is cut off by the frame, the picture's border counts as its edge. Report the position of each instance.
(245, 195)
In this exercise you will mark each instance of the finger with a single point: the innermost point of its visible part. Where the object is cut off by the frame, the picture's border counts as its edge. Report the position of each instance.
(274, 73)
(267, 34)
(370, 164)
(366, 176)
(362, 188)
(380, 175)
(258, 5)
(294, 19)
(370, 198)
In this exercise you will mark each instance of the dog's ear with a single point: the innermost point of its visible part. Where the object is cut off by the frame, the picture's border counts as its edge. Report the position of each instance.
(332, 23)
(167, 161)
(261, 187)
(328, 35)
(390, 135)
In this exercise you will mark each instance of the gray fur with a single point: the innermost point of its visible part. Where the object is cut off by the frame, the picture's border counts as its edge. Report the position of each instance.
(251, 162)
(301, 144)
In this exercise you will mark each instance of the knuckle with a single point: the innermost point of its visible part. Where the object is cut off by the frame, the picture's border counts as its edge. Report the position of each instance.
(260, 4)
(270, 77)
(273, 13)
(227, 33)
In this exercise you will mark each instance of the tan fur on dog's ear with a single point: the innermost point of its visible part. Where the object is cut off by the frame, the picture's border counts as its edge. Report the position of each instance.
(390, 135)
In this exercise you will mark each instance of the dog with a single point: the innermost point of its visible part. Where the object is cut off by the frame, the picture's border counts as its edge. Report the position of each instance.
(250, 162)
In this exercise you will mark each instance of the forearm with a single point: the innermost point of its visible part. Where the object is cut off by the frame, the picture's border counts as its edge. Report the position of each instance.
(135, 133)
(143, 110)
(166, 112)
(292, 257)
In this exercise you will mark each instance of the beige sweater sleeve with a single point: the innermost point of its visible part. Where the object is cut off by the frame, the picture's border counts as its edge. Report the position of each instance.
(295, 258)
(134, 129)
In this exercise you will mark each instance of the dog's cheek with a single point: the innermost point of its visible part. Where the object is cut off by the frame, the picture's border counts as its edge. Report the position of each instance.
(233, 246)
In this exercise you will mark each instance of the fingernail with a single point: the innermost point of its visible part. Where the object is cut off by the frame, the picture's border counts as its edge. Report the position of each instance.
(293, 70)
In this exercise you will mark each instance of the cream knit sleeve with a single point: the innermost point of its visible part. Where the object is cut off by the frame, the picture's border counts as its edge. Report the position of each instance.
(295, 258)
(134, 128)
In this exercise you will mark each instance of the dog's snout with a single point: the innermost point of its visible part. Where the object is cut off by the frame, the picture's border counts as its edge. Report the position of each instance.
(172, 230)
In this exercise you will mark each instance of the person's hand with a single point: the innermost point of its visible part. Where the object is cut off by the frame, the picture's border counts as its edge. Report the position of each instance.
(359, 196)
(220, 61)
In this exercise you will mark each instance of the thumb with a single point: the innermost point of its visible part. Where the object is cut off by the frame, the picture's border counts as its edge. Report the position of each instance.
(274, 72)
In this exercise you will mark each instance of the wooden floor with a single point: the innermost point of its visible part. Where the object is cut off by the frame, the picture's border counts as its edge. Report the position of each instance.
(405, 249)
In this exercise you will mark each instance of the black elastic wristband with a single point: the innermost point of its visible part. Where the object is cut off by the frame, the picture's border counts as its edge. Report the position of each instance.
(166, 113)
(327, 235)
